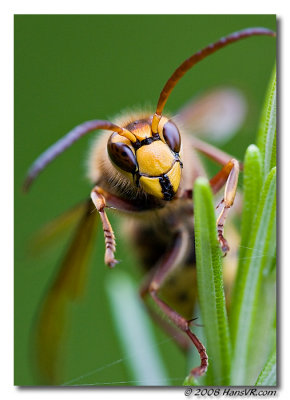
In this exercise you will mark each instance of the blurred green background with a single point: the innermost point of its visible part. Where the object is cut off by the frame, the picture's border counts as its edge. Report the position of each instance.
(73, 68)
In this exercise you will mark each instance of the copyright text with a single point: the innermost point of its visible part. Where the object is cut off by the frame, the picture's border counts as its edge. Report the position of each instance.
(229, 392)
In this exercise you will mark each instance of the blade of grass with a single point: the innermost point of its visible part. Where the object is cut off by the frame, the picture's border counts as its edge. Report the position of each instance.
(252, 189)
(210, 286)
(264, 327)
(267, 376)
(259, 243)
(264, 310)
(267, 130)
(265, 305)
(136, 337)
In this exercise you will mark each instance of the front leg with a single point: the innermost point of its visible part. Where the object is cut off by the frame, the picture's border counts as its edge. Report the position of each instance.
(103, 199)
(228, 175)
(100, 204)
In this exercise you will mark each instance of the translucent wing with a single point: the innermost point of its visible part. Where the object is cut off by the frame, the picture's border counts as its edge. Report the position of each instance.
(216, 115)
(55, 230)
(68, 286)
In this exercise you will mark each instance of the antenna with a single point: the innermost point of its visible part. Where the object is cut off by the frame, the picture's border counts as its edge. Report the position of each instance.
(196, 58)
(61, 145)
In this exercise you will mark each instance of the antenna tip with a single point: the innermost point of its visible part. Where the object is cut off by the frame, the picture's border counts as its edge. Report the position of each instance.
(26, 185)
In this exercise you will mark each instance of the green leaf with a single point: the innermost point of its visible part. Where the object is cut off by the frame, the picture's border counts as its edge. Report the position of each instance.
(135, 332)
(256, 259)
(267, 130)
(267, 376)
(210, 286)
(264, 327)
(252, 189)
(190, 381)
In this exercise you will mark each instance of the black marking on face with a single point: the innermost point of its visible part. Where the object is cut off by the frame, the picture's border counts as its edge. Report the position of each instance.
(177, 158)
(145, 142)
(166, 188)
(149, 140)
(136, 178)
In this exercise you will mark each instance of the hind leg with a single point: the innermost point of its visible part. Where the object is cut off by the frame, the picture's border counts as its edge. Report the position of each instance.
(181, 340)
(168, 263)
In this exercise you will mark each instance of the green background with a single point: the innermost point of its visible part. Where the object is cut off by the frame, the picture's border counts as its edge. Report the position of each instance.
(69, 69)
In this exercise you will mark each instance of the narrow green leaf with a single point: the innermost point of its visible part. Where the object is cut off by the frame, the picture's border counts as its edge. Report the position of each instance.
(252, 189)
(136, 336)
(260, 248)
(210, 286)
(267, 376)
(265, 307)
(264, 326)
(267, 130)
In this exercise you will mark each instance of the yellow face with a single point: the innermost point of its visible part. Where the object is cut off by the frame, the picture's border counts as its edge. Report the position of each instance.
(153, 160)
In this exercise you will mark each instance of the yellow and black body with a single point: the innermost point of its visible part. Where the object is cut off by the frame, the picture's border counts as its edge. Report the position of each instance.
(159, 175)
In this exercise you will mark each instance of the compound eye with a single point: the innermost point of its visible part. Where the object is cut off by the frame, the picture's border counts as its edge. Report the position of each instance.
(122, 156)
(172, 136)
